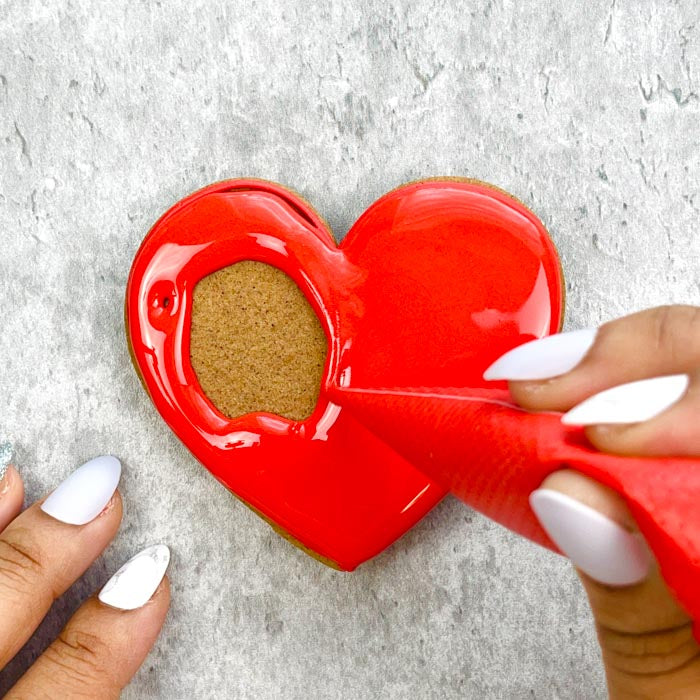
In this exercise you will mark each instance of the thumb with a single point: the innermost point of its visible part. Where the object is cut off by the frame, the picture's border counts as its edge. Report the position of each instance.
(646, 638)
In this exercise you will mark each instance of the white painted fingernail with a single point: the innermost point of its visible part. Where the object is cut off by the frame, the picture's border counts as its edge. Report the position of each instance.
(597, 545)
(629, 403)
(543, 358)
(136, 582)
(84, 494)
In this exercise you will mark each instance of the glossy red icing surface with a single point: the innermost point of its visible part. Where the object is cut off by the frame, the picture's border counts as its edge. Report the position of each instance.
(432, 283)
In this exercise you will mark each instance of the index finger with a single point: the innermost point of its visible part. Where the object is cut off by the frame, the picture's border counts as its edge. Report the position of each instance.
(660, 341)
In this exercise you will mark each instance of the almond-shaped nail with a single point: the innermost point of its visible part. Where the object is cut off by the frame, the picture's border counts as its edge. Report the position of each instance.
(84, 494)
(629, 403)
(136, 582)
(597, 545)
(543, 358)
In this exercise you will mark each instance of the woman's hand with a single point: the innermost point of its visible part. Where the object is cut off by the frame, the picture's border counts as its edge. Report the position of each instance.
(42, 552)
(646, 638)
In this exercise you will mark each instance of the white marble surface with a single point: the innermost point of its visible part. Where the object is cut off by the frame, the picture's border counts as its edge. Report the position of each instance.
(109, 112)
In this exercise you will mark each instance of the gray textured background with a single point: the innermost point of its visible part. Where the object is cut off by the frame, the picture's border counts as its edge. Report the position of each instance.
(109, 112)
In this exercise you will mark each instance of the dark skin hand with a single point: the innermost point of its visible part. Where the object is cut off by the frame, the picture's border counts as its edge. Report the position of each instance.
(646, 638)
(101, 648)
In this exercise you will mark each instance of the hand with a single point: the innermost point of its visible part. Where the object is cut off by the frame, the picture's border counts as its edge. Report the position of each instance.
(646, 638)
(42, 552)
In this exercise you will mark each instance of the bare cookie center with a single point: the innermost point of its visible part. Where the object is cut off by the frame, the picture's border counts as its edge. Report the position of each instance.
(255, 342)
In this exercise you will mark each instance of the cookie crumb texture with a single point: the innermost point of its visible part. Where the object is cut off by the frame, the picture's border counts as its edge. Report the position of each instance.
(256, 344)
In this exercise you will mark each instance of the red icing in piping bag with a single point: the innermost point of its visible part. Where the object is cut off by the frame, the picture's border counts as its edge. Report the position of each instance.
(493, 454)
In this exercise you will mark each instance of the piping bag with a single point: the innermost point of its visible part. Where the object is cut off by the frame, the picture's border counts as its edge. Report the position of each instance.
(492, 454)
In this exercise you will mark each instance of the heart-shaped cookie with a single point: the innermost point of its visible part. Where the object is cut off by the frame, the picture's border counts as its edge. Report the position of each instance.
(433, 282)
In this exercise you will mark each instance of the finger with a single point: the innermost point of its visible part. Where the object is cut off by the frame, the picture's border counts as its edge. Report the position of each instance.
(102, 647)
(11, 496)
(645, 636)
(559, 371)
(41, 555)
(652, 418)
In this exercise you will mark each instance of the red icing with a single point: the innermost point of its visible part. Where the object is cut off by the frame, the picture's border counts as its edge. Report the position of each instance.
(434, 282)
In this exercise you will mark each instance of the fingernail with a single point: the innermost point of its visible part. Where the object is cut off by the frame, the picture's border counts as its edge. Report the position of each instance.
(597, 545)
(85, 493)
(629, 403)
(543, 358)
(5, 459)
(136, 582)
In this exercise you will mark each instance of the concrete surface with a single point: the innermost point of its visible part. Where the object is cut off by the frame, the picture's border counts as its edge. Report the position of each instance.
(109, 112)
